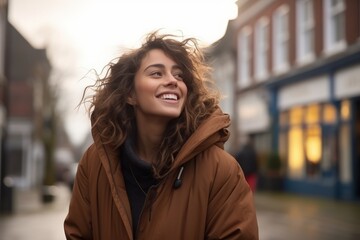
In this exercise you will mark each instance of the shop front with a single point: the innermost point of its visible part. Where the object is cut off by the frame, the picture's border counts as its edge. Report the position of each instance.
(318, 133)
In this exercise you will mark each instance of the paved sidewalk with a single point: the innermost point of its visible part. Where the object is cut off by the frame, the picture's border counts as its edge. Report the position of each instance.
(288, 216)
(33, 220)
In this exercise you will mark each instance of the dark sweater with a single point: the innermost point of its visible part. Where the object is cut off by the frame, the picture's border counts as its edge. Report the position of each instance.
(138, 176)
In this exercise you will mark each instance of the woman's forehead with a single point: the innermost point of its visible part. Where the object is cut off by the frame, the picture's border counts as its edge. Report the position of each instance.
(157, 57)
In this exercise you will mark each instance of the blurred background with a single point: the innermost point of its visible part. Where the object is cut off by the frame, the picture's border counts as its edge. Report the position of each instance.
(289, 71)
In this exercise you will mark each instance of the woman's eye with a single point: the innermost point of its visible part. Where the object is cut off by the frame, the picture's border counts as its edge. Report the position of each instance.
(156, 74)
(179, 76)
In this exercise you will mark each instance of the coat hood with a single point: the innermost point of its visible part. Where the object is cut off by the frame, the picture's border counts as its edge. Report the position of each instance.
(213, 131)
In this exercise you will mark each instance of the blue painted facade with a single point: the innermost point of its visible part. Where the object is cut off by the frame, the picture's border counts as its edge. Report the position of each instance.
(328, 183)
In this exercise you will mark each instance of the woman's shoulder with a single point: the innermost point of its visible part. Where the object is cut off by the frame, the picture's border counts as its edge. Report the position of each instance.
(90, 156)
(219, 161)
(219, 156)
(219, 169)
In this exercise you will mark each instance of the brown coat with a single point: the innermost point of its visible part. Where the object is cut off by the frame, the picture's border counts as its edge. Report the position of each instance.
(213, 202)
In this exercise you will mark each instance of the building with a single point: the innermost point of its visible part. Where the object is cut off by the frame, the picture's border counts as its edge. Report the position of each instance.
(297, 92)
(29, 127)
(221, 56)
(3, 27)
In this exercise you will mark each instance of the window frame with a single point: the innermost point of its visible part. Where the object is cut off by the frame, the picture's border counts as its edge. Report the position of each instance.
(261, 49)
(244, 57)
(305, 31)
(331, 44)
(281, 39)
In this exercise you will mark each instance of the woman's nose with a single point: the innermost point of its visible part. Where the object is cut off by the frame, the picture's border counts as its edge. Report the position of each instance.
(171, 80)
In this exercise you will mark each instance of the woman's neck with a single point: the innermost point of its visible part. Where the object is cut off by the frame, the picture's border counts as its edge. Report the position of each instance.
(148, 140)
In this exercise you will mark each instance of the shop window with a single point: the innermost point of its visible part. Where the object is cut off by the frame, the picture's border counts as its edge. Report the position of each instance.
(345, 110)
(296, 152)
(330, 149)
(312, 114)
(295, 144)
(329, 114)
(296, 115)
(313, 150)
(304, 149)
(313, 143)
(345, 154)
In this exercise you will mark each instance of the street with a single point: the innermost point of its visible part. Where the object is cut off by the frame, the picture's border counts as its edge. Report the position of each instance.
(284, 216)
(280, 216)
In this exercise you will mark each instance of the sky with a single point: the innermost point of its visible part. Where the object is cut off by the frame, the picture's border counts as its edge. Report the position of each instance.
(81, 35)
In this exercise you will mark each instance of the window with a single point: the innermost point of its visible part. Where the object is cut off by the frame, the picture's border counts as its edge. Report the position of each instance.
(313, 149)
(261, 49)
(281, 39)
(334, 20)
(305, 30)
(244, 57)
(296, 116)
(312, 114)
(313, 143)
(345, 153)
(309, 149)
(329, 114)
(296, 152)
(295, 138)
(345, 110)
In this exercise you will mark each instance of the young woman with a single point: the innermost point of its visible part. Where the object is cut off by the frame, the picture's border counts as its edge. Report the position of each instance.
(157, 168)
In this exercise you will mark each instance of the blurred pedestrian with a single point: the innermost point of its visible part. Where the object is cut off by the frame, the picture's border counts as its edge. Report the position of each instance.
(247, 159)
(157, 168)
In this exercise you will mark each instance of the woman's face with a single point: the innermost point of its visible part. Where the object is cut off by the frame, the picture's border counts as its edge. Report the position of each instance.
(160, 91)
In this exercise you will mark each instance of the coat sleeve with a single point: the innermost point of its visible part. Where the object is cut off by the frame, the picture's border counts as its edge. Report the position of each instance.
(77, 224)
(231, 209)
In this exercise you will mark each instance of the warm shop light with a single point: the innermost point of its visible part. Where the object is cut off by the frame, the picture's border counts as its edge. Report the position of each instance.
(345, 109)
(313, 144)
(296, 153)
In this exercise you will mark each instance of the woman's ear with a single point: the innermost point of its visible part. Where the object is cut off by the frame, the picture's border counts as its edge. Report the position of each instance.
(131, 100)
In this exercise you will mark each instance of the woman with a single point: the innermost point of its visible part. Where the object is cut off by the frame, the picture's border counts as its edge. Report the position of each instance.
(157, 168)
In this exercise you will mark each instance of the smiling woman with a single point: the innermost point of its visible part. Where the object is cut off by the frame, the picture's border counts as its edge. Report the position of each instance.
(157, 168)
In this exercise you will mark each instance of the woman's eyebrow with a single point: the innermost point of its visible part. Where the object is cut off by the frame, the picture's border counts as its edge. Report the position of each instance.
(160, 65)
(157, 65)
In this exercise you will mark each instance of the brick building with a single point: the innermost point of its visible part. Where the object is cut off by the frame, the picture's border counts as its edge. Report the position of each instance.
(297, 91)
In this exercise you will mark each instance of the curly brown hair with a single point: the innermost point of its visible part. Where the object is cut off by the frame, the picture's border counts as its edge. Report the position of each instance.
(114, 118)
